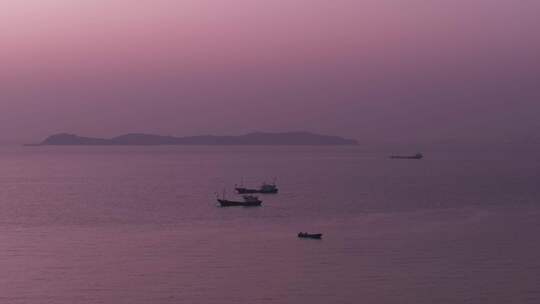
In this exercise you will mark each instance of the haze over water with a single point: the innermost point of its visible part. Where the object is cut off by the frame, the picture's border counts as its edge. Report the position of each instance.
(140, 225)
(374, 70)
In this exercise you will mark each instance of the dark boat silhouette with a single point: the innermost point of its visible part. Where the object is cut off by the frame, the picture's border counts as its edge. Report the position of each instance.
(416, 156)
(247, 201)
(263, 189)
(306, 235)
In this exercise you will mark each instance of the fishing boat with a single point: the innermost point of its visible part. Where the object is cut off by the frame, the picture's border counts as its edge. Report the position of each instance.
(306, 235)
(265, 188)
(416, 156)
(247, 201)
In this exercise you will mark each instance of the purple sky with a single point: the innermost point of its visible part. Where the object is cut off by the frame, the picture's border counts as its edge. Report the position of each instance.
(372, 70)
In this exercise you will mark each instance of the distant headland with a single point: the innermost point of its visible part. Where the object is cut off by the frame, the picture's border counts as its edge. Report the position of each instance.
(259, 138)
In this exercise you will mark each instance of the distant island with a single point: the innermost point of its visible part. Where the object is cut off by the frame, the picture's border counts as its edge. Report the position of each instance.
(259, 138)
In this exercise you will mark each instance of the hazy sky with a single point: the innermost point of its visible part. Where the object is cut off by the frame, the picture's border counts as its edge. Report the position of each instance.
(368, 69)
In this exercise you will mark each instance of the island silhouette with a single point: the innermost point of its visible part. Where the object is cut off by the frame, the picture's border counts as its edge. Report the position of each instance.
(257, 138)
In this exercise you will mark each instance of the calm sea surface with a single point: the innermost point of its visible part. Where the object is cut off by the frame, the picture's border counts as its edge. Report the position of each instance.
(140, 225)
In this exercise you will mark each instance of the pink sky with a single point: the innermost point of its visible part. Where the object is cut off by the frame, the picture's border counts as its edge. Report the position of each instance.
(367, 69)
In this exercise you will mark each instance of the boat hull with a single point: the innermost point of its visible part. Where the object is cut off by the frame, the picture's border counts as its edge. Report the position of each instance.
(317, 236)
(253, 191)
(405, 157)
(246, 191)
(227, 203)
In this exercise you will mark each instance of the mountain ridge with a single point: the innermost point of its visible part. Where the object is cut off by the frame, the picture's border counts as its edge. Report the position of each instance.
(255, 138)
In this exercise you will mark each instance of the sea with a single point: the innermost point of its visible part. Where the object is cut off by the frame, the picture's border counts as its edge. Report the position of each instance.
(142, 225)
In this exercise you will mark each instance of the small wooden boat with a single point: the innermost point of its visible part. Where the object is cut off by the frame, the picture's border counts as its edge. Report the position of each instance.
(248, 201)
(263, 189)
(416, 156)
(306, 235)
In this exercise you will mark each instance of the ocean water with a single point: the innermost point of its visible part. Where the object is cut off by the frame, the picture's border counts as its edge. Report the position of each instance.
(140, 225)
